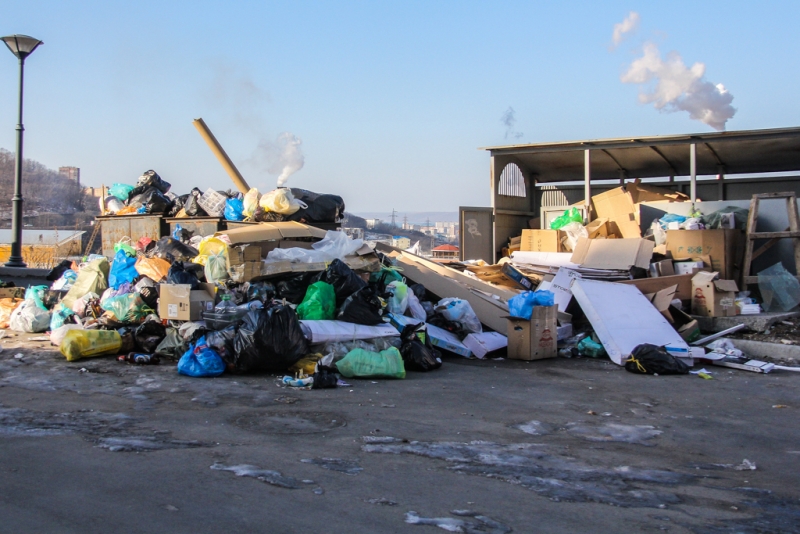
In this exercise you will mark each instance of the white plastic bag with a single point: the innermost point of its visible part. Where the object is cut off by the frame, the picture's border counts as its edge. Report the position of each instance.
(398, 302)
(415, 309)
(574, 230)
(659, 234)
(79, 306)
(460, 311)
(334, 245)
(281, 201)
(58, 335)
(215, 268)
(28, 317)
(250, 202)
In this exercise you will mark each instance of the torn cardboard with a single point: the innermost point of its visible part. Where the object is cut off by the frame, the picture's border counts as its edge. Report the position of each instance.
(485, 342)
(652, 285)
(620, 205)
(713, 297)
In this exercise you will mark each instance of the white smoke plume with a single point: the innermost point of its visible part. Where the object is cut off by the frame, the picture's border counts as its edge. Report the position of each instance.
(509, 120)
(284, 156)
(628, 25)
(676, 87)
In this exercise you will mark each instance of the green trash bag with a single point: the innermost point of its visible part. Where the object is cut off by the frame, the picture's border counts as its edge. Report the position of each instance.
(92, 278)
(387, 275)
(589, 347)
(319, 303)
(128, 308)
(362, 363)
(36, 293)
(570, 216)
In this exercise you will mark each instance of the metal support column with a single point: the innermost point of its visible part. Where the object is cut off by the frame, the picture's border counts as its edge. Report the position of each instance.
(587, 177)
(693, 172)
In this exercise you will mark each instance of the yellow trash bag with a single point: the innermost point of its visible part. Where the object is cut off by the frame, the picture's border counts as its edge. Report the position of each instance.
(92, 278)
(210, 246)
(250, 202)
(155, 269)
(79, 344)
(6, 307)
(281, 201)
(307, 364)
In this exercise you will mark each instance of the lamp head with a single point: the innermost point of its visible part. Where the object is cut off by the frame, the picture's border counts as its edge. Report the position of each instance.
(21, 45)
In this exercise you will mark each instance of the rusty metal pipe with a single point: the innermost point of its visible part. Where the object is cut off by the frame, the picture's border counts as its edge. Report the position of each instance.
(219, 152)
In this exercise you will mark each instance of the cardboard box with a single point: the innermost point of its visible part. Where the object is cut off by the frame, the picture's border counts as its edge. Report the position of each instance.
(713, 297)
(245, 272)
(726, 248)
(620, 205)
(238, 254)
(542, 241)
(619, 254)
(535, 339)
(653, 285)
(688, 267)
(494, 275)
(600, 229)
(177, 302)
(485, 342)
(12, 292)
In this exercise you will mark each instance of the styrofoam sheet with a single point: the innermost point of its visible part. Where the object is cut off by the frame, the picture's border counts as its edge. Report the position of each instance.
(330, 331)
(551, 259)
(623, 318)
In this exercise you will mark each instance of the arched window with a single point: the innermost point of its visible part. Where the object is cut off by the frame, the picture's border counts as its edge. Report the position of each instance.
(512, 183)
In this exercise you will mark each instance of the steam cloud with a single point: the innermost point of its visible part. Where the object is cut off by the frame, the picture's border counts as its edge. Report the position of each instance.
(283, 156)
(630, 23)
(508, 119)
(671, 86)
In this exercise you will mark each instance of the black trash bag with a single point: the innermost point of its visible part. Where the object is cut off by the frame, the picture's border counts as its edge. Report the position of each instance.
(325, 377)
(57, 271)
(304, 195)
(280, 338)
(190, 205)
(149, 295)
(262, 215)
(362, 307)
(148, 336)
(172, 346)
(451, 326)
(155, 202)
(222, 341)
(418, 355)
(430, 311)
(344, 280)
(419, 291)
(177, 205)
(650, 359)
(294, 289)
(173, 250)
(152, 179)
(246, 354)
(263, 291)
(178, 275)
(323, 209)
(52, 297)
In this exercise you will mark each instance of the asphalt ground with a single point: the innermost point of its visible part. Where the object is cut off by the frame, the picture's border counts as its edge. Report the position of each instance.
(562, 445)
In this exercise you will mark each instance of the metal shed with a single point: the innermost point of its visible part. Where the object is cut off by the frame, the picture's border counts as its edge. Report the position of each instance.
(731, 166)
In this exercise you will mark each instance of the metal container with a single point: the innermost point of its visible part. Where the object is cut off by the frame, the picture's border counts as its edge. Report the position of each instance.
(116, 227)
(202, 226)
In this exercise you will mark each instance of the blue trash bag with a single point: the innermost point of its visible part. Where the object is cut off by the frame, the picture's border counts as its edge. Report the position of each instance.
(234, 209)
(121, 191)
(176, 233)
(123, 269)
(671, 217)
(201, 361)
(522, 305)
(59, 316)
(36, 293)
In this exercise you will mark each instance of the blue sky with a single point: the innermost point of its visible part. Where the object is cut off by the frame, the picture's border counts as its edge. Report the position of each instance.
(390, 99)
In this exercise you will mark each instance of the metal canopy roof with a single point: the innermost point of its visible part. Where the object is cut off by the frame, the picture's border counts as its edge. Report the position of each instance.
(738, 152)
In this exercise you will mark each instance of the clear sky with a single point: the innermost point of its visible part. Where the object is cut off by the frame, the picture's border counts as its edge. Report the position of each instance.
(390, 99)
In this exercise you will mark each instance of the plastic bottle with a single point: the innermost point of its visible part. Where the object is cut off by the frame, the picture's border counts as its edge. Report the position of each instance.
(225, 305)
(142, 358)
(79, 344)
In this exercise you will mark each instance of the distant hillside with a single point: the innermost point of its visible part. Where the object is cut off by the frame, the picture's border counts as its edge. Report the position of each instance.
(43, 189)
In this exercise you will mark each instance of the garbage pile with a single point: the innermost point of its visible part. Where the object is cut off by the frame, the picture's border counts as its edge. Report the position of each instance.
(327, 310)
(152, 196)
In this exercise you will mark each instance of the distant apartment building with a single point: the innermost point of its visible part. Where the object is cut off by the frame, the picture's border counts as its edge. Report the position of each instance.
(400, 242)
(447, 229)
(445, 252)
(372, 223)
(73, 173)
(354, 233)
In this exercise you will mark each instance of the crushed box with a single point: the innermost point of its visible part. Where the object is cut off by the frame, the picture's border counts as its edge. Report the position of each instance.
(713, 297)
(485, 342)
(533, 339)
(621, 254)
(726, 248)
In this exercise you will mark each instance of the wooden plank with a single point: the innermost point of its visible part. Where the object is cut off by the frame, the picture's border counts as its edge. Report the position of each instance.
(774, 235)
(752, 220)
(784, 194)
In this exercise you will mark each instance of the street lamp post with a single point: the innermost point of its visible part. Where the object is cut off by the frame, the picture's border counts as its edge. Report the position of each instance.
(21, 46)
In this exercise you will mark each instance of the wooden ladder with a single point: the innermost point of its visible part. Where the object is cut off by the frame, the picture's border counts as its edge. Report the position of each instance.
(793, 232)
(92, 238)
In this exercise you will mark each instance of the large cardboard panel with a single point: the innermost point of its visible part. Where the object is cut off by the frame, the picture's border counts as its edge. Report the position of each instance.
(535, 339)
(623, 318)
(619, 254)
(542, 241)
(271, 231)
(726, 248)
